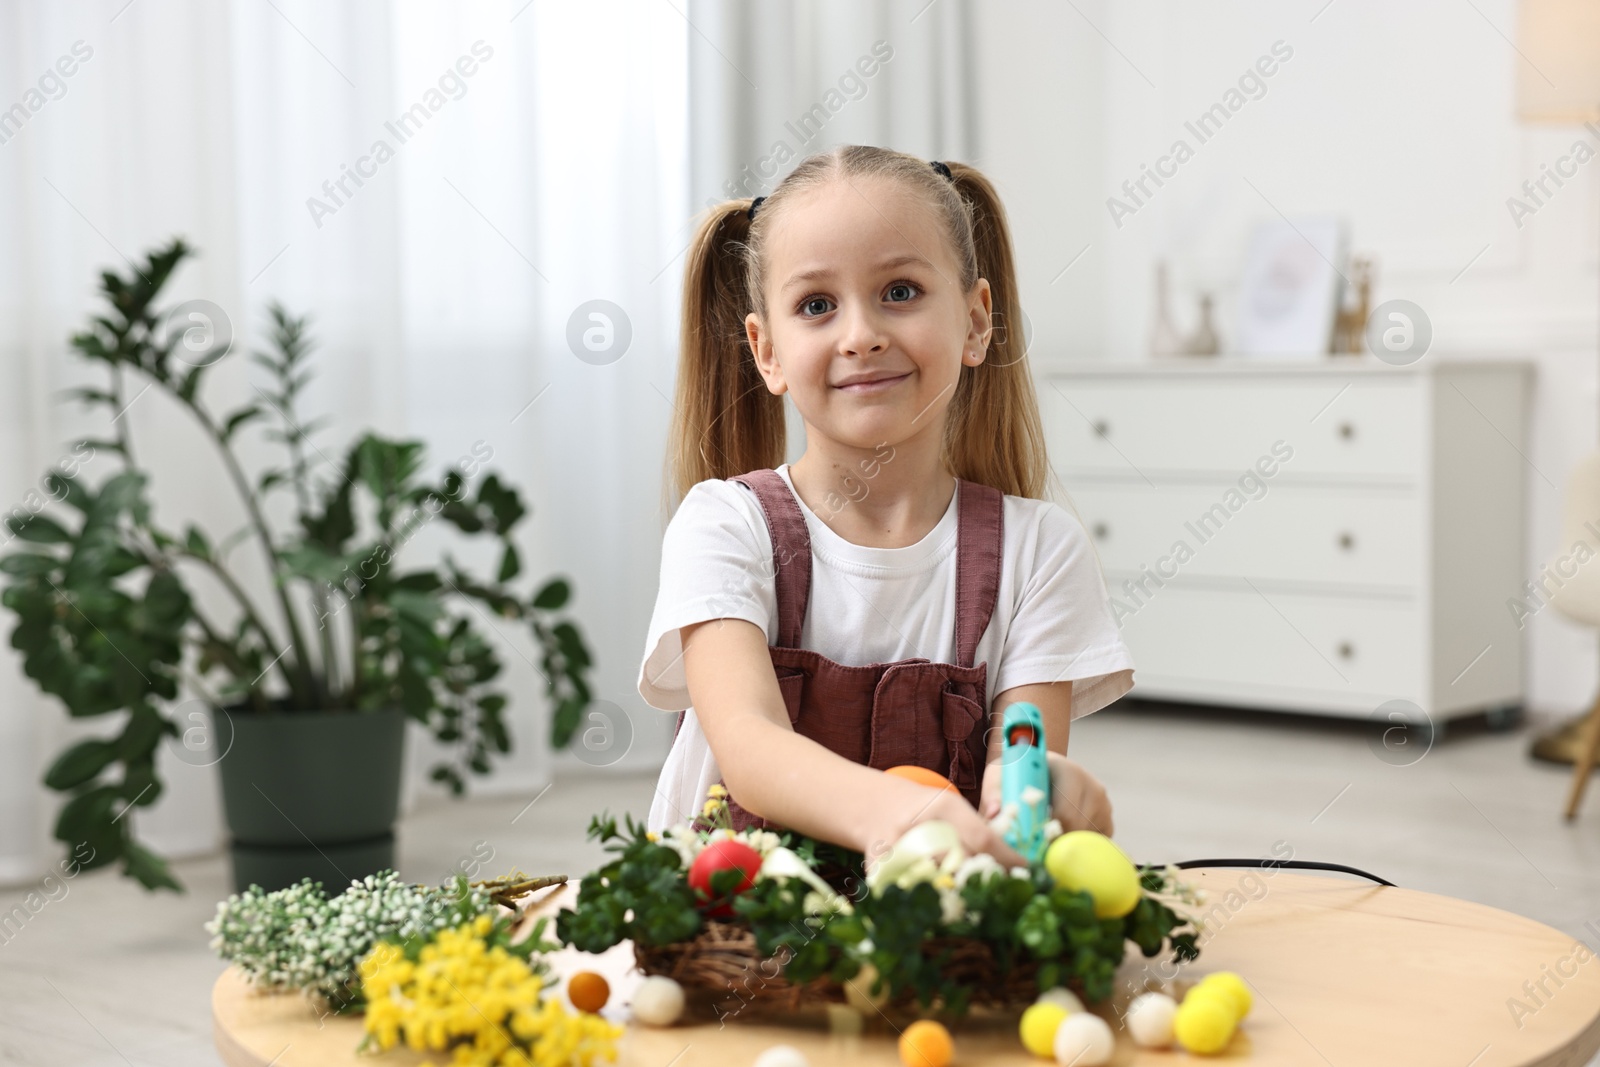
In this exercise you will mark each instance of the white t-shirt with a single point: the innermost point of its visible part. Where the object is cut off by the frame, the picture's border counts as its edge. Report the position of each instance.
(1052, 620)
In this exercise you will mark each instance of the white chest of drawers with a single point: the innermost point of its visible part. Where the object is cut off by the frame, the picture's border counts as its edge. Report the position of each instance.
(1310, 537)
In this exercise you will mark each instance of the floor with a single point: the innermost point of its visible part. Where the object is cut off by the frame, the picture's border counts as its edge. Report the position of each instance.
(108, 975)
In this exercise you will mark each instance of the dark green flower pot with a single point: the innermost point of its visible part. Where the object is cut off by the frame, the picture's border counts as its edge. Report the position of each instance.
(310, 794)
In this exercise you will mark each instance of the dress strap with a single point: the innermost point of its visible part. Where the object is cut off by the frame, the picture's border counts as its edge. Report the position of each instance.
(791, 550)
(980, 542)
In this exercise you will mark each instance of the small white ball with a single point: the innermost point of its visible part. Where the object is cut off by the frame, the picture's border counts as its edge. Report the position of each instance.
(658, 1001)
(782, 1056)
(1084, 1040)
(1149, 1020)
(1063, 996)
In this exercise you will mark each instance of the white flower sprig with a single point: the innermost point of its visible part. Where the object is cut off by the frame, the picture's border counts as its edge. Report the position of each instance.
(298, 938)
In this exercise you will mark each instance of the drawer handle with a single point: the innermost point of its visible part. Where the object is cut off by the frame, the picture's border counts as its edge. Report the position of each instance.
(1347, 430)
(1346, 650)
(1347, 541)
(1102, 428)
(1101, 531)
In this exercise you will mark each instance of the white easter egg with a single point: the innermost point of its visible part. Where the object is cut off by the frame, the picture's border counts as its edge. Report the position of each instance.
(858, 991)
(1063, 996)
(658, 1001)
(782, 1056)
(1149, 1020)
(1084, 1040)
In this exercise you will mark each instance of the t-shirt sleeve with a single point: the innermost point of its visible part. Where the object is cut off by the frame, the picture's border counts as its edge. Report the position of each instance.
(716, 563)
(1063, 627)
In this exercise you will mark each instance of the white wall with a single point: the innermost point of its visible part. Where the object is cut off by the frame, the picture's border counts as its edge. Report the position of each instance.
(1403, 117)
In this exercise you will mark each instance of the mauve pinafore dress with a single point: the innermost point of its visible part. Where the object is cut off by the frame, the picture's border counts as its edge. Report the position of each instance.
(911, 711)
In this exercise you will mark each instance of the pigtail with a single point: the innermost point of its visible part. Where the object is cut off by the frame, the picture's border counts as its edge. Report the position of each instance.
(725, 420)
(993, 432)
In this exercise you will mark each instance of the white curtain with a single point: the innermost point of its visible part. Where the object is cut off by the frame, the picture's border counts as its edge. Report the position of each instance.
(777, 80)
(771, 83)
(565, 168)
(441, 288)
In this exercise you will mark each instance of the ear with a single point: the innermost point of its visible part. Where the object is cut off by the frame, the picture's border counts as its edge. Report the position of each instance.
(761, 347)
(980, 318)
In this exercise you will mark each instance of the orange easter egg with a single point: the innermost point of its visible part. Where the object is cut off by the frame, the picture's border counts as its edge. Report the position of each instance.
(588, 991)
(922, 776)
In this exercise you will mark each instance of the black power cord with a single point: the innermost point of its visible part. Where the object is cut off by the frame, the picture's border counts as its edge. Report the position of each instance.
(1264, 864)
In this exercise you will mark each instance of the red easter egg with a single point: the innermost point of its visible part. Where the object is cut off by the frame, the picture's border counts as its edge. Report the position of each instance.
(722, 855)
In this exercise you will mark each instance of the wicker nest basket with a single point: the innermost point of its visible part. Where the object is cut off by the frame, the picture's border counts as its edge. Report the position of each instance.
(721, 965)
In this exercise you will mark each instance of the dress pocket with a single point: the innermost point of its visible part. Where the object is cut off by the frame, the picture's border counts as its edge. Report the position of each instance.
(964, 740)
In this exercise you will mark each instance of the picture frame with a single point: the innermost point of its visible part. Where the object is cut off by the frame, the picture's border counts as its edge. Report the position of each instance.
(1289, 291)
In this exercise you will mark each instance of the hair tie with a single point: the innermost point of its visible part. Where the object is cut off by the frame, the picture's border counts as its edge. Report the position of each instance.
(943, 169)
(751, 214)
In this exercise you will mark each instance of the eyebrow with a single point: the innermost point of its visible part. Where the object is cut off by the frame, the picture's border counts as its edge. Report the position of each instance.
(824, 272)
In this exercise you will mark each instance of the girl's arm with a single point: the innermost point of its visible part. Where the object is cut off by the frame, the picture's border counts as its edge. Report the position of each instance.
(791, 779)
(1080, 800)
(1054, 701)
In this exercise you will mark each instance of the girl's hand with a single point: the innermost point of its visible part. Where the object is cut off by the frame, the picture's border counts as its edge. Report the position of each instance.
(880, 829)
(1077, 798)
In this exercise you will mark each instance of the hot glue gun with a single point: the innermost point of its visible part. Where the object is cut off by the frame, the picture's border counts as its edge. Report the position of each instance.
(1024, 779)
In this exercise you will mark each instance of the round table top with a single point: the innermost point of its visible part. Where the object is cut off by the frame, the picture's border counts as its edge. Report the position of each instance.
(1343, 971)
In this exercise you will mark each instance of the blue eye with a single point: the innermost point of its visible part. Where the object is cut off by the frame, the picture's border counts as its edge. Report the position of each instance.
(909, 289)
(807, 306)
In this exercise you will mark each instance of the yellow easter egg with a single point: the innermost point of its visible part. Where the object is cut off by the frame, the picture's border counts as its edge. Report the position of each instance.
(1204, 1022)
(1086, 860)
(1234, 986)
(1038, 1027)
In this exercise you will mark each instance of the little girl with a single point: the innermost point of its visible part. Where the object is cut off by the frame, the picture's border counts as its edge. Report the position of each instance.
(884, 598)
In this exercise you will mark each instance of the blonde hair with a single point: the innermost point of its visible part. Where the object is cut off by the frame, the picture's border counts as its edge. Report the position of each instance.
(727, 423)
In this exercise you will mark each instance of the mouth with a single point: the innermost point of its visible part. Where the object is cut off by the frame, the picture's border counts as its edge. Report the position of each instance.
(877, 386)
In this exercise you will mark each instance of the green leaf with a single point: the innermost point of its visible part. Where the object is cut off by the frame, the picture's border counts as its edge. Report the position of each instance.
(166, 602)
(336, 524)
(105, 444)
(571, 644)
(191, 383)
(503, 502)
(238, 419)
(419, 582)
(69, 490)
(387, 467)
(123, 492)
(140, 786)
(89, 396)
(142, 733)
(87, 816)
(150, 870)
(196, 542)
(39, 529)
(29, 564)
(79, 764)
(510, 565)
(423, 607)
(564, 723)
(311, 560)
(451, 777)
(554, 595)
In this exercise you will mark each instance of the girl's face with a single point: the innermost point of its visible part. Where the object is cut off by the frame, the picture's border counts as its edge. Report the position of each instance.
(863, 287)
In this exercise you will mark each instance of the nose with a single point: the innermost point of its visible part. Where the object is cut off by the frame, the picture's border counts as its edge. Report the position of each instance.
(862, 334)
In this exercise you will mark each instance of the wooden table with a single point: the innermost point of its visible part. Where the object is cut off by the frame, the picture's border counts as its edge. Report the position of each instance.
(1344, 973)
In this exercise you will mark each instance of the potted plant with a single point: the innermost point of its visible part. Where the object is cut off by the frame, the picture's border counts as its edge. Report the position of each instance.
(305, 704)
